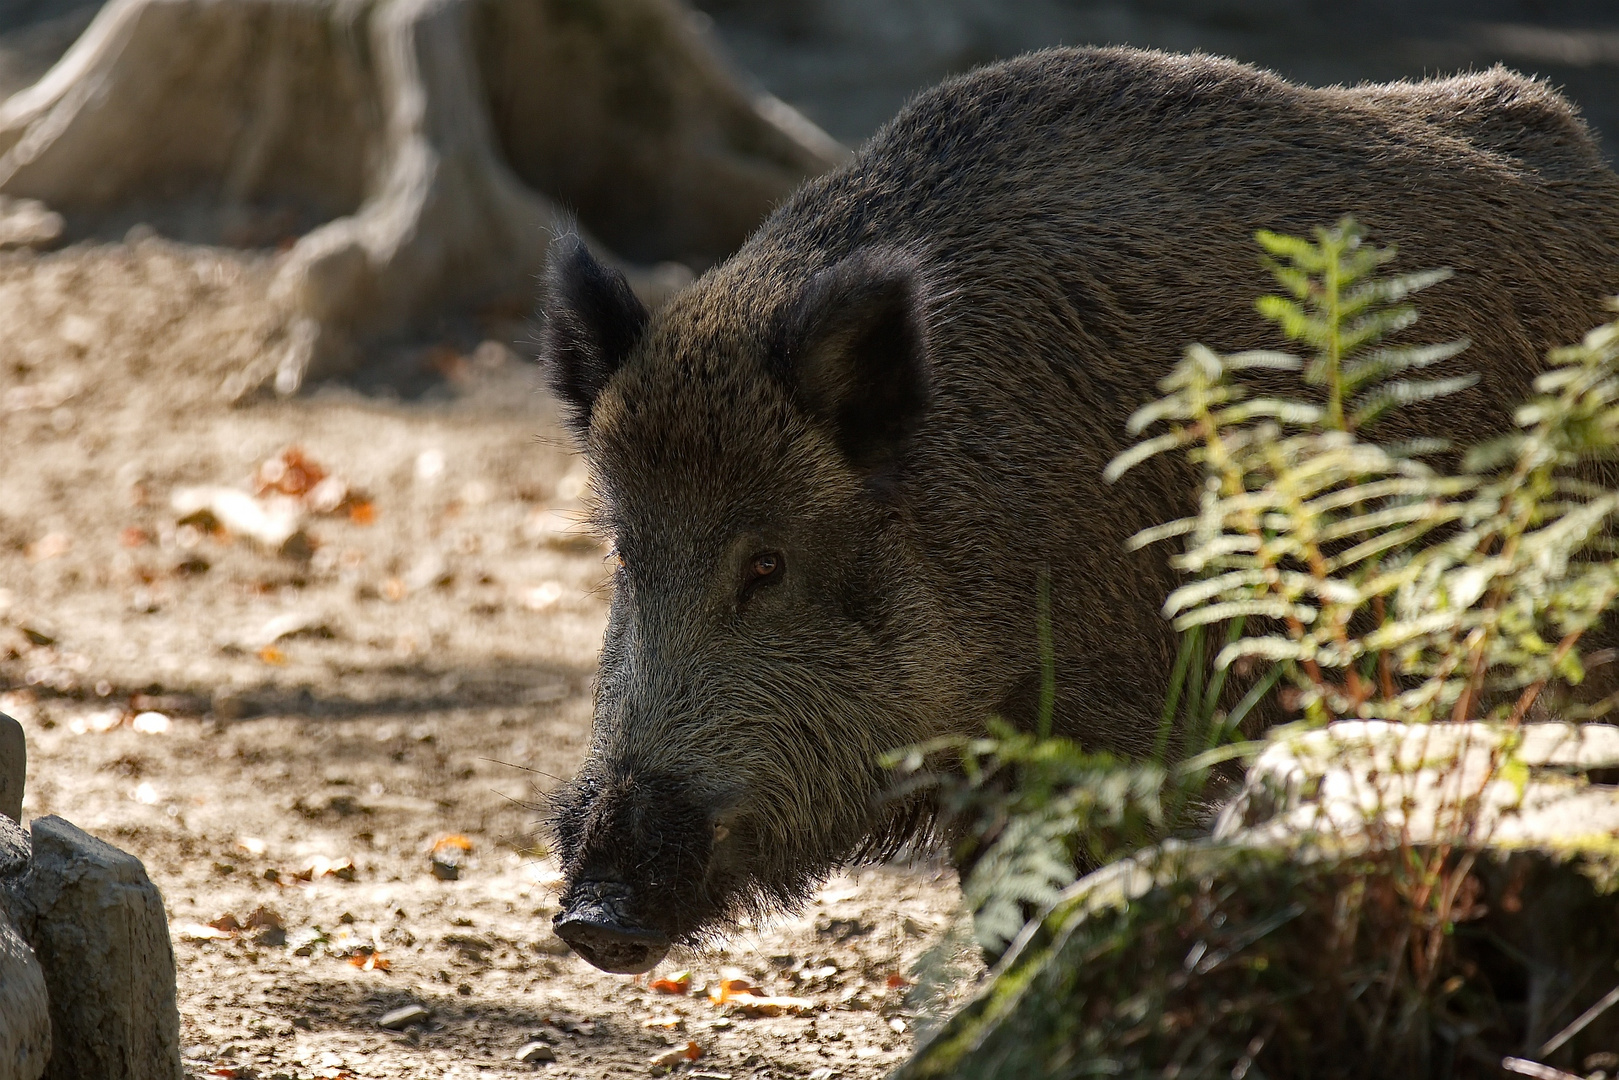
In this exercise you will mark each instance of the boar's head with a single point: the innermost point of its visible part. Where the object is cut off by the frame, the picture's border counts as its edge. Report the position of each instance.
(771, 630)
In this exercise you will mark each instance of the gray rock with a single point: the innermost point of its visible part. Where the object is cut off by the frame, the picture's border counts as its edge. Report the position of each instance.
(15, 851)
(98, 927)
(13, 767)
(25, 1022)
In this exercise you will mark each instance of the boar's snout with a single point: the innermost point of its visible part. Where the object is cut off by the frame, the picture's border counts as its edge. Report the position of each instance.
(637, 853)
(597, 926)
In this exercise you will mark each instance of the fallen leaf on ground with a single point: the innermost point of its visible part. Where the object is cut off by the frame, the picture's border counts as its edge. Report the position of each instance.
(363, 512)
(99, 722)
(676, 1055)
(367, 960)
(755, 1005)
(321, 867)
(731, 983)
(226, 922)
(272, 655)
(272, 521)
(290, 472)
(48, 546)
(678, 983)
(447, 855)
(262, 918)
(292, 624)
(896, 981)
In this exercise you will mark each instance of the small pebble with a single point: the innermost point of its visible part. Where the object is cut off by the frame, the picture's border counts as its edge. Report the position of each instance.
(403, 1017)
(536, 1053)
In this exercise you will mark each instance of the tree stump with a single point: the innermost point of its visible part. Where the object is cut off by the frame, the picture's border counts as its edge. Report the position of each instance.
(416, 156)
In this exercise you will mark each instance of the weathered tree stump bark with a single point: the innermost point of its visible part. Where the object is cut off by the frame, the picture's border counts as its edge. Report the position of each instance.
(425, 150)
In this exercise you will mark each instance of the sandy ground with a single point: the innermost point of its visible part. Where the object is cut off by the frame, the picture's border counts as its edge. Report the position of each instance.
(414, 664)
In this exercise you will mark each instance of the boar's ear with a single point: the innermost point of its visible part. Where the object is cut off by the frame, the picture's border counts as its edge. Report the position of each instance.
(591, 321)
(857, 354)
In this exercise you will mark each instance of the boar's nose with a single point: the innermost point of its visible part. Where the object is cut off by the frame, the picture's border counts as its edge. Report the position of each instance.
(595, 925)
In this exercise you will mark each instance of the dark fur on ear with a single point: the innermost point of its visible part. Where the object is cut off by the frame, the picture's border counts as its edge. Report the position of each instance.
(855, 354)
(591, 321)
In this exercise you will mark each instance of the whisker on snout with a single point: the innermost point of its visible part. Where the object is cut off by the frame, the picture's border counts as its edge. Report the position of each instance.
(524, 768)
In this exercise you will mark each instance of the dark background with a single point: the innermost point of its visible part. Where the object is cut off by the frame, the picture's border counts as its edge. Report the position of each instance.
(849, 64)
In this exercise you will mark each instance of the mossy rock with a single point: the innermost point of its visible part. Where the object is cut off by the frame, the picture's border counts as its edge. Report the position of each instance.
(1269, 953)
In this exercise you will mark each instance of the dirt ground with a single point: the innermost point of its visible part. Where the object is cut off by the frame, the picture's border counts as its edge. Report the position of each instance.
(289, 732)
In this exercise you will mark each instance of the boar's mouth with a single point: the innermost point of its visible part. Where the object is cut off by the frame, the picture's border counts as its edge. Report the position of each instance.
(597, 925)
(637, 852)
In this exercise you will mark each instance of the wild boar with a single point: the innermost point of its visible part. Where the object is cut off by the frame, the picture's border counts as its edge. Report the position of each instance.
(836, 469)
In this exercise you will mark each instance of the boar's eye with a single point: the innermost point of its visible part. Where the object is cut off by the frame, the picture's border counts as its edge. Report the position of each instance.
(763, 568)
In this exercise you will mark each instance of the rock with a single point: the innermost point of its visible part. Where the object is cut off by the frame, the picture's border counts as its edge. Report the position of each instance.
(25, 1026)
(1351, 779)
(13, 767)
(25, 1022)
(98, 928)
(1224, 955)
(535, 1053)
(404, 1016)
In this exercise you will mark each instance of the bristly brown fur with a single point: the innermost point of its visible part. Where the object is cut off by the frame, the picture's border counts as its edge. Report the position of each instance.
(929, 439)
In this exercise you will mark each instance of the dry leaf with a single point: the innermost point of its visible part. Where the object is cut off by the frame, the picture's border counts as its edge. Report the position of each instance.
(369, 960)
(678, 983)
(263, 918)
(445, 845)
(226, 922)
(731, 982)
(272, 655)
(289, 473)
(363, 512)
(754, 1005)
(49, 546)
(675, 1055)
(320, 867)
